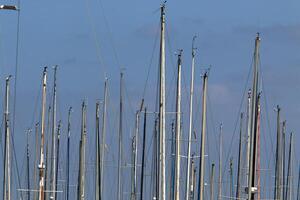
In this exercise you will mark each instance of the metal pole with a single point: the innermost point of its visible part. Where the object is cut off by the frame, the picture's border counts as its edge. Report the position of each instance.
(240, 159)
(162, 104)
(203, 133)
(190, 123)
(220, 162)
(289, 190)
(68, 154)
(277, 195)
(97, 168)
(178, 129)
(42, 162)
(212, 179)
(143, 154)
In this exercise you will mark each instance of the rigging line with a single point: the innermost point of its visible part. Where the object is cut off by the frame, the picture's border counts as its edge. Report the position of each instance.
(97, 42)
(238, 116)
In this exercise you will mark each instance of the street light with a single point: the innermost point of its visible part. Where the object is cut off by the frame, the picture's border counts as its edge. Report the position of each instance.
(8, 7)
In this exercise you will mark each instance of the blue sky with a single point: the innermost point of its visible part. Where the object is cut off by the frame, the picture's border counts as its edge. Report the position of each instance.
(91, 39)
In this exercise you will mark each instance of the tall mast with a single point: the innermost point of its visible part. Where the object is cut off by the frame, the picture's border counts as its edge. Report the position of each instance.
(282, 161)
(178, 128)
(278, 157)
(102, 151)
(57, 153)
(35, 159)
(212, 178)
(82, 156)
(143, 154)
(135, 156)
(193, 180)
(298, 188)
(7, 159)
(42, 157)
(203, 133)
(132, 196)
(173, 163)
(253, 118)
(248, 135)
(190, 123)
(28, 164)
(120, 156)
(97, 168)
(220, 163)
(162, 104)
(289, 190)
(68, 155)
(231, 179)
(53, 148)
(240, 159)
(47, 168)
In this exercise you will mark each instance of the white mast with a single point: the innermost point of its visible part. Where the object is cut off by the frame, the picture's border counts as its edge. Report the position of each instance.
(53, 161)
(102, 153)
(203, 133)
(251, 188)
(248, 134)
(97, 168)
(42, 157)
(7, 159)
(220, 162)
(81, 180)
(289, 189)
(190, 123)
(162, 104)
(178, 129)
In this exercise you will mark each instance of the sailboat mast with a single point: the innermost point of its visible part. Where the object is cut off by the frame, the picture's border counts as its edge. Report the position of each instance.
(42, 157)
(248, 134)
(135, 156)
(120, 156)
(203, 133)
(178, 128)
(57, 153)
(220, 162)
(231, 179)
(162, 104)
(240, 159)
(190, 123)
(298, 187)
(278, 157)
(28, 164)
(68, 155)
(7, 159)
(143, 154)
(81, 180)
(289, 190)
(53, 148)
(102, 152)
(282, 161)
(97, 168)
(253, 117)
(212, 178)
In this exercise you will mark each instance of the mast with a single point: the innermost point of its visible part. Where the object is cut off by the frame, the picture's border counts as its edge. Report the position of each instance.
(289, 190)
(172, 165)
(135, 156)
(82, 156)
(35, 159)
(253, 117)
(203, 133)
(278, 157)
(102, 152)
(193, 180)
(53, 146)
(28, 164)
(41, 165)
(282, 161)
(120, 156)
(220, 163)
(212, 178)
(57, 153)
(248, 134)
(143, 154)
(231, 178)
(258, 149)
(240, 159)
(132, 197)
(68, 155)
(162, 104)
(298, 188)
(178, 129)
(190, 123)
(97, 168)
(7, 159)
(47, 153)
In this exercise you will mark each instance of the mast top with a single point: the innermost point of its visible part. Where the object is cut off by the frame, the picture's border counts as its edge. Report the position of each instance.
(257, 36)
